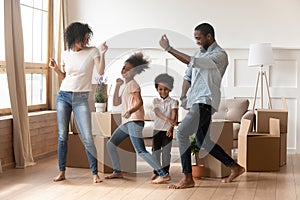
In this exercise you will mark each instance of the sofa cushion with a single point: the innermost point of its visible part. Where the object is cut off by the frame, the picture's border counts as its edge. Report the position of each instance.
(232, 109)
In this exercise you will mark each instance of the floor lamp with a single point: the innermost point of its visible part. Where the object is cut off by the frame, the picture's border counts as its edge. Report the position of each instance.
(261, 55)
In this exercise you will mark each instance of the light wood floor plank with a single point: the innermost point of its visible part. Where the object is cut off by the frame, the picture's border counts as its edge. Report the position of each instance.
(35, 183)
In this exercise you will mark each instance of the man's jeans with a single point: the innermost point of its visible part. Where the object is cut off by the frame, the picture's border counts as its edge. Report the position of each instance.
(78, 103)
(132, 129)
(197, 121)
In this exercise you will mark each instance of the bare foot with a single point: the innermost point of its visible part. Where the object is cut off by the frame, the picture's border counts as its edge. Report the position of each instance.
(114, 175)
(161, 180)
(154, 176)
(182, 184)
(186, 182)
(236, 170)
(96, 178)
(61, 176)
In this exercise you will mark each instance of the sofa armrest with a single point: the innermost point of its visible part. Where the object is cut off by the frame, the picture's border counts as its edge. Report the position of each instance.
(250, 116)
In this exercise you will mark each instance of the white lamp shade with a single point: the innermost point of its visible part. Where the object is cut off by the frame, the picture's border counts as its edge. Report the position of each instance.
(260, 54)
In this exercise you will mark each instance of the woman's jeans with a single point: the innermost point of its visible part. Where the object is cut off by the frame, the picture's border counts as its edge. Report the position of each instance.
(132, 129)
(198, 121)
(78, 103)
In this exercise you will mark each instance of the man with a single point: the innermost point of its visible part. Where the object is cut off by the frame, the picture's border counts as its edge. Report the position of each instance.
(202, 79)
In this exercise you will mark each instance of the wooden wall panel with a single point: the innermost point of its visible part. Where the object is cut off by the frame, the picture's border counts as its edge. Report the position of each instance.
(6, 147)
(43, 130)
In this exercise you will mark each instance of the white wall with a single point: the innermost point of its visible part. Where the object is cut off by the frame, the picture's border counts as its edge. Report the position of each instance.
(138, 24)
(237, 22)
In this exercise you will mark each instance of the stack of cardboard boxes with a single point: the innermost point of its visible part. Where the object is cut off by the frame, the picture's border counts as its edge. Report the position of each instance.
(103, 125)
(220, 133)
(264, 149)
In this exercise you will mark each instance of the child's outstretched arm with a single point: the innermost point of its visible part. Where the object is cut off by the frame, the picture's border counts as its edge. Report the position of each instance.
(171, 120)
(117, 100)
(100, 62)
(174, 118)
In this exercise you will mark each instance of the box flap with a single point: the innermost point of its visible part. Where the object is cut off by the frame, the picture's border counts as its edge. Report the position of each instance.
(253, 134)
(245, 127)
(274, 127)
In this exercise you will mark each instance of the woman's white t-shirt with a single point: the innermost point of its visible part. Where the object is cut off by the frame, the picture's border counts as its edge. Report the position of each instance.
(79, 67)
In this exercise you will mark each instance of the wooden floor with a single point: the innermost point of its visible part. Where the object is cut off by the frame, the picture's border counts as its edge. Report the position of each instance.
(35, 183)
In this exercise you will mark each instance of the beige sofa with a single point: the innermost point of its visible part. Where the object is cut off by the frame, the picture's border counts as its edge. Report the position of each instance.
(233, 110)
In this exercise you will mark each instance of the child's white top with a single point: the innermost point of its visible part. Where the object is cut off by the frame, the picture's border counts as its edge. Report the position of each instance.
(165, 106)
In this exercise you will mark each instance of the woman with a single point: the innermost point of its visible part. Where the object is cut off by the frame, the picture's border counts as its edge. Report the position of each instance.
(77, 68)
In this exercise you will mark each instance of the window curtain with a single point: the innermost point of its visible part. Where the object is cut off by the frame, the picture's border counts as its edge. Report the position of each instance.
(14, 52)
(59, 24)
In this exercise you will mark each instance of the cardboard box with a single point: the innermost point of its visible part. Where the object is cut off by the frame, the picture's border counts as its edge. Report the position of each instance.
(104, 123)
(126, 152)
(212, 167)
(77, 156)
(259, 151)
(221, 132)
(283, 151)
(263, 116)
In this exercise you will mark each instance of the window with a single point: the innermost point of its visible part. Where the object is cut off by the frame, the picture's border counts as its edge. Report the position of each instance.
(35, 23)
(4, 97)
(35, 33)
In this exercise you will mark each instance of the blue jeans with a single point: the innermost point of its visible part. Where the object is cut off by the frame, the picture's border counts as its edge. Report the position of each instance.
(132, 129)
(77, 102)
(197, 121)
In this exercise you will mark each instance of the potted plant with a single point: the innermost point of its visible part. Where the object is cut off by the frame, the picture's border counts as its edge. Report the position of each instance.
(197, 168)
(100, 95)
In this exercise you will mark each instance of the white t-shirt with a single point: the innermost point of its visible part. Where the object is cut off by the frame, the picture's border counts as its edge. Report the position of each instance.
(79, 67)
(165, 106)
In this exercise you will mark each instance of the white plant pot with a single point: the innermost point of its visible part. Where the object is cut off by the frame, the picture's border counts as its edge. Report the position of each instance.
(100, 107)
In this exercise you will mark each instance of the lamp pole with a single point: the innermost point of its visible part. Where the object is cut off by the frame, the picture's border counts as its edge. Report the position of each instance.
(261, 87)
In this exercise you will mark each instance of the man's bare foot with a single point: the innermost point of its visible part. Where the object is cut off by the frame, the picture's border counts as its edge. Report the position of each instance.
(236, 170)
(61, 176)
(114, 175)
(186, 182)
(161, 180)
(154, 176)
(96, 178)
(182, 184)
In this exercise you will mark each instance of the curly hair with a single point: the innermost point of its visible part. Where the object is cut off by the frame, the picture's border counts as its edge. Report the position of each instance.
(76, 32)
(138, 62)
(166, 79)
